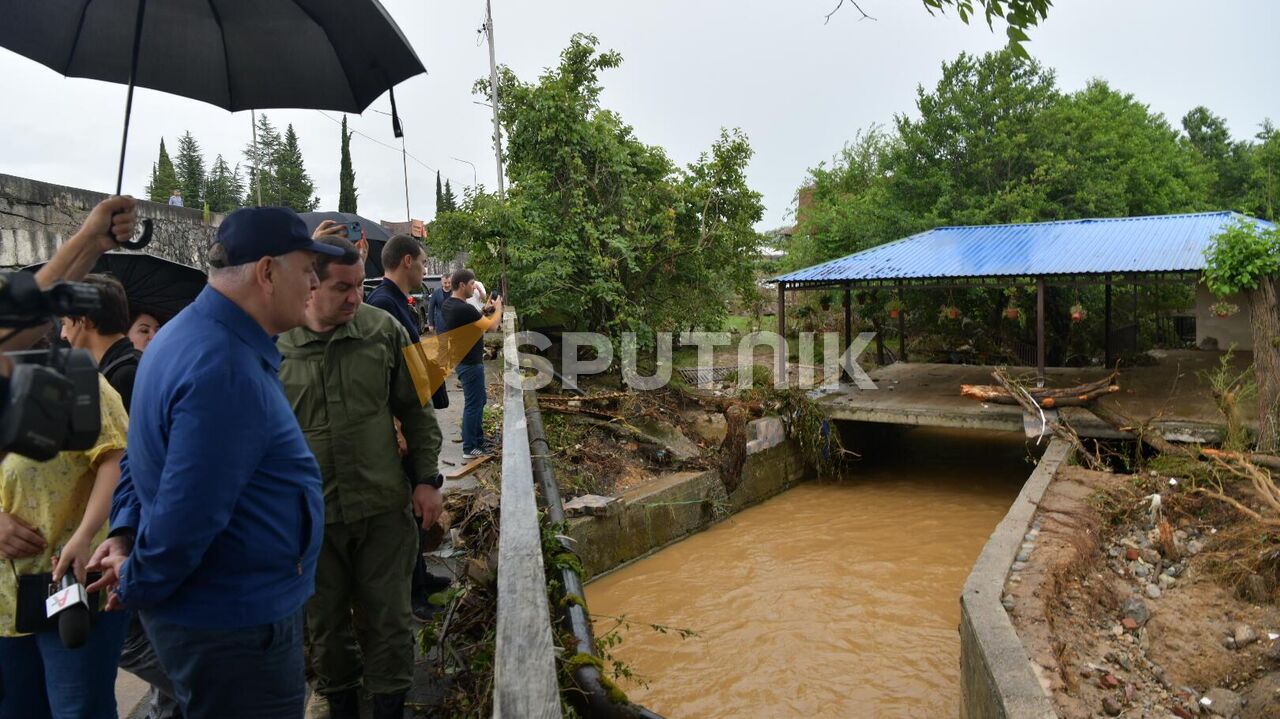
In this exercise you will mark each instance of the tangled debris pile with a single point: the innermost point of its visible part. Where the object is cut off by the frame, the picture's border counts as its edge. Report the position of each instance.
(1133, 597)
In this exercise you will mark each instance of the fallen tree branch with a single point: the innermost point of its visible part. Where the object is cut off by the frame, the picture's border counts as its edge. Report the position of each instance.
(1237, 505)
(1070, 397)
(1262, 460)
(1151, 438)
(1059, 427)
(1046, 397)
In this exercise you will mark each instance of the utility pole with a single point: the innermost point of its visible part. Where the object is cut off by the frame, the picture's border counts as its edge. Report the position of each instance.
(493, 95)
(497, 137)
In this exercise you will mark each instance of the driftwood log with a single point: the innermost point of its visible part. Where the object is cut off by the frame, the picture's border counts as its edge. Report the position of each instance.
(1044, 397)
(1262, 460)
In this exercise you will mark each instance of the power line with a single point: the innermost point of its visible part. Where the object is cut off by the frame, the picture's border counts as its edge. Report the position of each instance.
(378, 142)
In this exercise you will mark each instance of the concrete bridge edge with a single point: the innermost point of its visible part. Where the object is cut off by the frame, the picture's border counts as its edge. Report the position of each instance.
(996, 677)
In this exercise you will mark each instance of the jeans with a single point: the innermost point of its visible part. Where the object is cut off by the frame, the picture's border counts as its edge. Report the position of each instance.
(41, 679)
(473, 398)
(139, 659)
(244, 672)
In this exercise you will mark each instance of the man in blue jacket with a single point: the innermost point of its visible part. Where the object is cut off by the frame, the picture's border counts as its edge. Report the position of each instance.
(435, 305)
(218, 516)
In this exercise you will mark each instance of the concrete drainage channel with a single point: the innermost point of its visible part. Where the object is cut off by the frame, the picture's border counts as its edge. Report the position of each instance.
(673, 506)
(996, 674)
(997, 680)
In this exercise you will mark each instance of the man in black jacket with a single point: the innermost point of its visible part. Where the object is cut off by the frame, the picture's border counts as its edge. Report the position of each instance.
(403, 263)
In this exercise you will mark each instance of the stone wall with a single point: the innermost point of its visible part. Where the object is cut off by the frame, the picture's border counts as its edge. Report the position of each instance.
(36, 217)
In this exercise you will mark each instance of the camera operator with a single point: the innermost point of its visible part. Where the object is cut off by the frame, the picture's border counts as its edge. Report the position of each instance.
(109, 223)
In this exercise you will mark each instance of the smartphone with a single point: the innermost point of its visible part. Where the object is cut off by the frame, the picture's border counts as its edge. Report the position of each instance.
(353, 232)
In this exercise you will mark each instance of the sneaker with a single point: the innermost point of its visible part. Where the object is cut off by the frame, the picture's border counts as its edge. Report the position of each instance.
(475, 453)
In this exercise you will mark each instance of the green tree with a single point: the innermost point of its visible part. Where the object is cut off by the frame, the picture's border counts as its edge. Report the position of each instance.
(223, 188)
(995, 141)
(1108, 155)
(295, 188)
(969, 156)
(1246, 258)
(347, 195)
(447, 199)
(604, 232)
(164, 179)
(440, 208)
(1019, 15)
(1263, 195)
(262, 165)
(1228, 163)
(190, 168)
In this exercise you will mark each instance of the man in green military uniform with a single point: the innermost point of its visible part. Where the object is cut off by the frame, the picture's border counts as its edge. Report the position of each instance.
(346, 377)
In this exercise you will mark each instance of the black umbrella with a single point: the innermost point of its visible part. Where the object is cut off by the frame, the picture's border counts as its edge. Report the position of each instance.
(375, 233)
(313, 54)
(153, 284)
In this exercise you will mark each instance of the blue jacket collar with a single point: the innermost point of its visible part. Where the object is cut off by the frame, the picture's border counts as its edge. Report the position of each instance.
(216, 306)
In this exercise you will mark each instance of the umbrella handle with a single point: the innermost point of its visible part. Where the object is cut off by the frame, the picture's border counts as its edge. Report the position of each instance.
(143, 240)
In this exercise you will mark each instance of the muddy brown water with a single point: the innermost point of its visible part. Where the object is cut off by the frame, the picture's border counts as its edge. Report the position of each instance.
(834, 599)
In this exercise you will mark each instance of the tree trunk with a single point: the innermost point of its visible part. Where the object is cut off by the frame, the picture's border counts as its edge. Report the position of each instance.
(1264, 311)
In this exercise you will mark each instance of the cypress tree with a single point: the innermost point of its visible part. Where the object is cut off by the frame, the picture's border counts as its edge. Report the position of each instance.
(347, 194)
(164, 179)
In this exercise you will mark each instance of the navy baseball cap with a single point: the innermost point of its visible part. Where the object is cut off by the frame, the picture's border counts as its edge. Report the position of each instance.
(251, 233)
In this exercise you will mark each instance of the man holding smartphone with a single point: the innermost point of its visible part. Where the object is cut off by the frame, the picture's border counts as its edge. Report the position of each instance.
(458, 313)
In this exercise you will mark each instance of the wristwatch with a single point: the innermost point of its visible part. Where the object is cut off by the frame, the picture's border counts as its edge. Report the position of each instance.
(435, 482)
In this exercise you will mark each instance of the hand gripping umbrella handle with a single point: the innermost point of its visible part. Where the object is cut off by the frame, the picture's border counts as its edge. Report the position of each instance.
(143, 240)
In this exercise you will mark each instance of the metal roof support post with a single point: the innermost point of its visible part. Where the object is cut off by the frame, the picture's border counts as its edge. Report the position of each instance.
(780, 360)
(1106, 327)
(1040, 331)
(902, 327)
(1137, 323)
(848, 315)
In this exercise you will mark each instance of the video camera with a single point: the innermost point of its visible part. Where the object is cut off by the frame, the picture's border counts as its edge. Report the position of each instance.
(52, 402)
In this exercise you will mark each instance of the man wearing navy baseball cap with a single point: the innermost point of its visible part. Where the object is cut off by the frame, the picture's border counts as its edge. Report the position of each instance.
(217, 520)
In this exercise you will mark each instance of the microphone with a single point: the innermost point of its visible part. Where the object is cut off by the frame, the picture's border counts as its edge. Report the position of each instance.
(70, 604)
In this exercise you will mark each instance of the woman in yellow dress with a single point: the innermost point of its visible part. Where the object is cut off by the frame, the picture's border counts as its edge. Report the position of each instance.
(59, 507)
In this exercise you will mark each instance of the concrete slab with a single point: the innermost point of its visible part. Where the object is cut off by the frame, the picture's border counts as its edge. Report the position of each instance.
(1174, 393)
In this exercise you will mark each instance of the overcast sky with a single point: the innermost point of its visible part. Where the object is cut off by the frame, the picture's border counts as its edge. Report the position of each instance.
(799, 89)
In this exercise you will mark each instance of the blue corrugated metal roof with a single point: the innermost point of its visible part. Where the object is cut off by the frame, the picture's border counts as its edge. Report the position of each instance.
(1158, 243)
